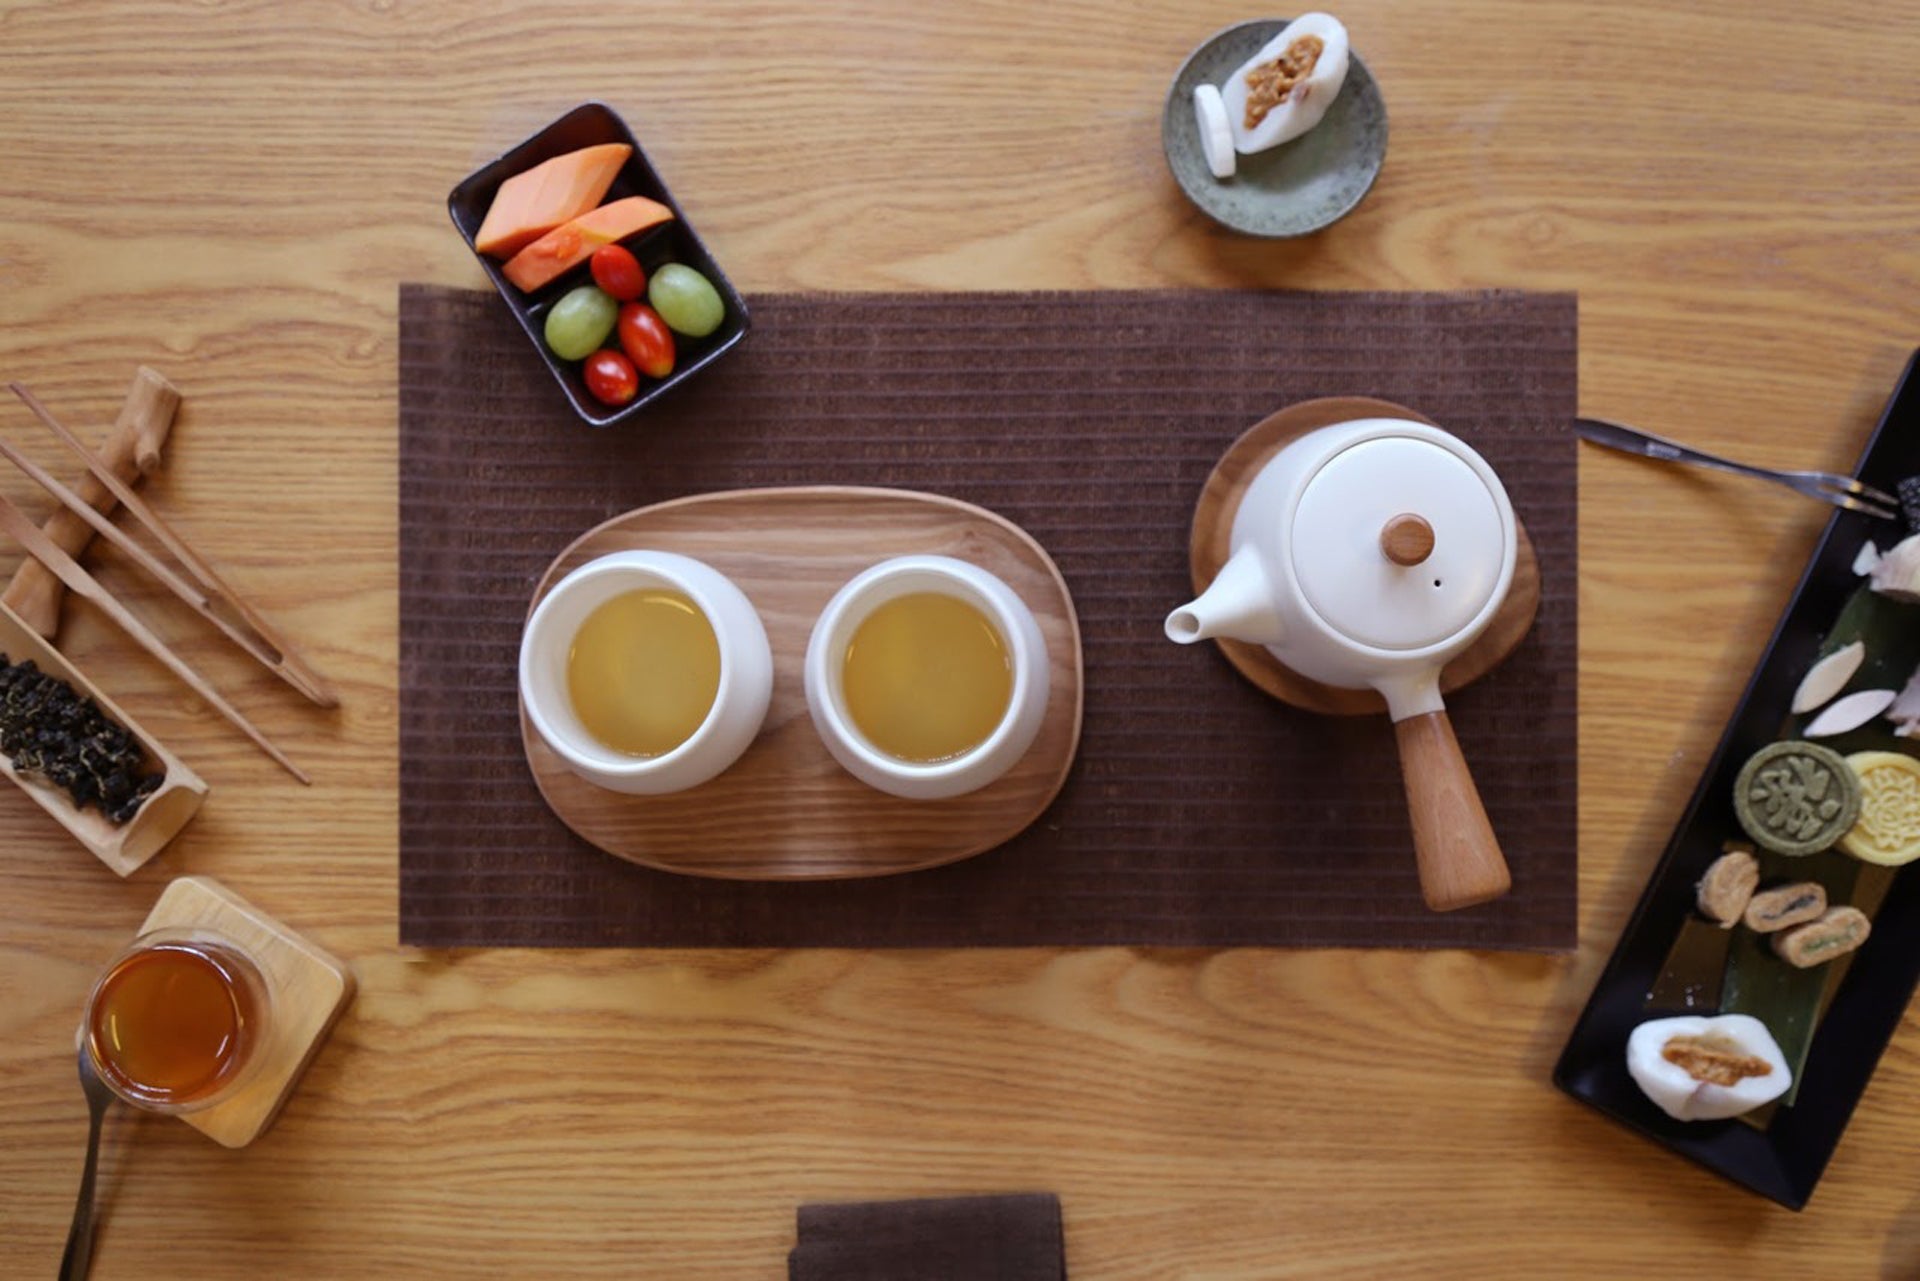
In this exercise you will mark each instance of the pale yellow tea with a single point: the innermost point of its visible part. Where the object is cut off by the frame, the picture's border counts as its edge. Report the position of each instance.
(643, 671)
(926, 677)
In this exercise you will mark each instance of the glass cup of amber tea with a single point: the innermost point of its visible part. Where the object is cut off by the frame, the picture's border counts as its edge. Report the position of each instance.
(177, 1021)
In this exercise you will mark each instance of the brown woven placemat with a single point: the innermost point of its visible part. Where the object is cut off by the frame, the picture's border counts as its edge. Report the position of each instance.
(1199, 811)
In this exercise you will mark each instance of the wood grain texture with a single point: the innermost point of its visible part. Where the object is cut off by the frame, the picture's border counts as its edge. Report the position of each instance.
(786, 810)
(1406, 540)
(1212, 543)
(1459, 855)
(307, 990)
(229, 194)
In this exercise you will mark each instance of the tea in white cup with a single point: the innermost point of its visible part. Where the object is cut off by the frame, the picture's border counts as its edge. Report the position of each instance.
(643, 671)
(927, 677)
(646, 671)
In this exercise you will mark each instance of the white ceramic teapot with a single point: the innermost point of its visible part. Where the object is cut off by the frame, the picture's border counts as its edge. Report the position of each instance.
(1368, 554)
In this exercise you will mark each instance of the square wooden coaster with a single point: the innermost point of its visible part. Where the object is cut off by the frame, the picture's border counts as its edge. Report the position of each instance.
(310, 989)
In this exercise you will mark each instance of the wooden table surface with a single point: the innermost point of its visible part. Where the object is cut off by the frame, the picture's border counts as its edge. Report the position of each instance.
(232, 192)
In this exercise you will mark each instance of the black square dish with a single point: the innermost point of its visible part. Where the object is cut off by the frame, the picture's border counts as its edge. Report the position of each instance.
(1781, 1155)
(588, 125)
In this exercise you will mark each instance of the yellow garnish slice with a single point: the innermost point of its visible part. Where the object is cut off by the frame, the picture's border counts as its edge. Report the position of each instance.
(1888, 829)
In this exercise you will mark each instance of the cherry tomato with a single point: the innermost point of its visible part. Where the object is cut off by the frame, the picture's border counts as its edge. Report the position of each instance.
(618, 272)
(610, 377)
(646, 338)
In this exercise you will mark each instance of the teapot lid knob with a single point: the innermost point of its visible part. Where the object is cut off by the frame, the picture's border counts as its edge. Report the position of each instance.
(1407, 539)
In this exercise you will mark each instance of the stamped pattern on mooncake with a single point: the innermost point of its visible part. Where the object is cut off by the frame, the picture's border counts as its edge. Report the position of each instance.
(1888, 829)
(1796, 797)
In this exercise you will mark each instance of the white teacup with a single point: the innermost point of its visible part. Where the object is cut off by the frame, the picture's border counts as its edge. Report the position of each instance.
(739, 704)
(1026, 650)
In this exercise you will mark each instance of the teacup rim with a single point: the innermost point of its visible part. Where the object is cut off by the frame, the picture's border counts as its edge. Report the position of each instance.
(640, 566)
(948, 570)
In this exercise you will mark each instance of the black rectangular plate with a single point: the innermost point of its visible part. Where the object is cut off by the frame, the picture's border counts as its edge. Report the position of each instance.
(587, 125)
(1784, 1160)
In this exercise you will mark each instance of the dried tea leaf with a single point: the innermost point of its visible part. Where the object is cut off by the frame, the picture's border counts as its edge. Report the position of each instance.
(50, 729)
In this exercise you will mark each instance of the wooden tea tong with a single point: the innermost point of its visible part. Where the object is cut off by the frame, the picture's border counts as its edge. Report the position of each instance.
(83, 584)
(132, 450)
(207, 594)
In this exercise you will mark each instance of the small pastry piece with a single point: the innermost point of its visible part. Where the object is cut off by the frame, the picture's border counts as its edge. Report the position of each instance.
(1828, 677)
(1727, 887)
(1888, 829)
(1838, 931)
(1904, 711)
(1216, 135)
(1704, 1069)
(1796, 797)
(1850, 713)
(1284, 90)
(1897, 575)
(1787, 906)
(1865, 559)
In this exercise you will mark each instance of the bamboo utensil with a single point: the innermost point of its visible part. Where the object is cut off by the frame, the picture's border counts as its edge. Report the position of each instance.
(124, 847)
(83, 584)
(131, 451)
(265, 644)
(99, 524)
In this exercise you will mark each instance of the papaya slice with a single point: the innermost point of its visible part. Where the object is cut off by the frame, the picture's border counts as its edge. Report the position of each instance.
(529, 205)
(569, 245)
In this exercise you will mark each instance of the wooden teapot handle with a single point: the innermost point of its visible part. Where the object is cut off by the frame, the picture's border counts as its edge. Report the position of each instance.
(1460, 859)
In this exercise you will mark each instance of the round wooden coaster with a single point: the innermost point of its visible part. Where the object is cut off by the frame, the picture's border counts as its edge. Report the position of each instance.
(1212, 533)
(786, 810)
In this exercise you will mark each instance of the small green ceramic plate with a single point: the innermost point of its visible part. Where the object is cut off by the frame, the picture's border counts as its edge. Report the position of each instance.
(1292, 189)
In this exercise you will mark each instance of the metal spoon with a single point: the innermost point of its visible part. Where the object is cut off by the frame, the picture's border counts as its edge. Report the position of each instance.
(79, 1255)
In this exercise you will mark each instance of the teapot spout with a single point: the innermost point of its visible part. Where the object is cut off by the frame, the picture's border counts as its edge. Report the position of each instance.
(1239, 605)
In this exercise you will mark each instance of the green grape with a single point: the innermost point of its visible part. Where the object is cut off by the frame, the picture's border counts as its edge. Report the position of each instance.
(686, 300)
(580, 322)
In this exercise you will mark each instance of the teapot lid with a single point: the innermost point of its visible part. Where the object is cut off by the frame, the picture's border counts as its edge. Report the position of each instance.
(1400, 541)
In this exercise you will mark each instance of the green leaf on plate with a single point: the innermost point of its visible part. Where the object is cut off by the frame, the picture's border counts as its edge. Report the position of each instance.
(1788, 1000)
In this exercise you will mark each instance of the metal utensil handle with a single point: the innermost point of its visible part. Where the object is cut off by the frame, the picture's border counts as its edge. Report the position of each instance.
(78, 1256)
(1647, 445)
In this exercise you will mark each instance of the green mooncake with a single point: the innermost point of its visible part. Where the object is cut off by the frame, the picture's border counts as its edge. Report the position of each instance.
(1796, 797)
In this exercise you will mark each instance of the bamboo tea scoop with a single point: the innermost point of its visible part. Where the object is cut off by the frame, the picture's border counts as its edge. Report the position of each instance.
(253, 633)
(130, 452)
(83, 584)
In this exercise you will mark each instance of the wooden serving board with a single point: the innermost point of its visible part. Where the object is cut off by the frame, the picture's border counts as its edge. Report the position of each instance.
(309, 990)
(124, 846)
(786, 810)
(1212, 540)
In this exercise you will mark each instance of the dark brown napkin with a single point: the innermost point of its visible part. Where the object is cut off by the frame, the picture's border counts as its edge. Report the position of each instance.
(1199, 812)
(983, 1238)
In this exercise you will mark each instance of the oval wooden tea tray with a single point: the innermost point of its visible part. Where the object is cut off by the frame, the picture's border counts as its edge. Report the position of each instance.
(124, 846)
(786, 810)
(1212, 536)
